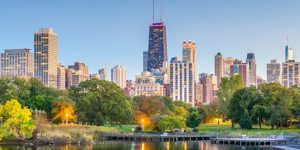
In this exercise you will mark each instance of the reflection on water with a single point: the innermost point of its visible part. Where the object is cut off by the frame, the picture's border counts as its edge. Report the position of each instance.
(120, 145)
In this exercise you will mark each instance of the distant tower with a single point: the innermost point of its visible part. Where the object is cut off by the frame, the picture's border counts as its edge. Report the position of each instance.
(118, 76)
(45, 57)
(289, 53)
(157, 48)
(219, 67)
(251, 61)
(189, 54)
(145, 60)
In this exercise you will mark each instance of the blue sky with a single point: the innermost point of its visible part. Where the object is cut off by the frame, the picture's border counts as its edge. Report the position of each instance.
(112, 32)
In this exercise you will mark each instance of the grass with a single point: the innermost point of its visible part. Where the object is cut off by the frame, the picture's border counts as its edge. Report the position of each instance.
(227, 131)
(123, 128)
(74, 132)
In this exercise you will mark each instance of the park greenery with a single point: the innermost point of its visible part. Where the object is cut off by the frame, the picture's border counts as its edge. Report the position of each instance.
(26, 105)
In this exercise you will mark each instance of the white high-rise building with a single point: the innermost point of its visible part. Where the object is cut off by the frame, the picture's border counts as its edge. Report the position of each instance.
(290, 73)
(45, 56)
(118, 76)
(289, 53)
(182, 85)
(103, 73)
(17, 63)
(274, 72)
(252, 77)
(61, 77)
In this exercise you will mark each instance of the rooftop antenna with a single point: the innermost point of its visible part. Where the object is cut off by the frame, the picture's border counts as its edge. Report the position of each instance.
(153, 20)
(161, 11)
(287, 40)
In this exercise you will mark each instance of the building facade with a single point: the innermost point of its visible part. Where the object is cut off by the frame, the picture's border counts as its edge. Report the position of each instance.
(209, 87)
(103, 73)
(251, 61)
(289, 53)
(222, 66)
(61, 77)
(273, 72)
(189, 54)
(45, 57)
(145, 60)
(17, 63)
(77, 73)
(157, 49)
(146, 85)
(118, 76)
(241, 69)
(182, 86)
(290, 73)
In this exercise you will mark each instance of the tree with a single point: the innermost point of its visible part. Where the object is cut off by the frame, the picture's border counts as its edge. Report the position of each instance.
(63, 109)
(227, 88)
(16, 121)
(193, 119)
(278, 102)
(169, 123)
(242, 105)
(99, 102)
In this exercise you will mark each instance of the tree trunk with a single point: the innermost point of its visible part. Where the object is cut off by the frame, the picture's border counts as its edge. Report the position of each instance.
(232, 125)
(259, 122)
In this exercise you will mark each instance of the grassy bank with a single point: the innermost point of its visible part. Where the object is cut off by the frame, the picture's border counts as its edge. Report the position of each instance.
(227, 130)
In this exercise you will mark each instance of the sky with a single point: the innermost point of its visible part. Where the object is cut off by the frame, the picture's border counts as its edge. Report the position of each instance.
(112, 32)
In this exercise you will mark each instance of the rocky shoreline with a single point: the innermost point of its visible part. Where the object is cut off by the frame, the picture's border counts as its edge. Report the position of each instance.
(46, 142)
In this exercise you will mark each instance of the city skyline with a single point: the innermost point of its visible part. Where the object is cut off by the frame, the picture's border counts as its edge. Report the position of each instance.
(262, 35)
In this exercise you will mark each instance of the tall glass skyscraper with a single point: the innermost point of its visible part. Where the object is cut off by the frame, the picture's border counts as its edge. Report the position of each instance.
(157, 50)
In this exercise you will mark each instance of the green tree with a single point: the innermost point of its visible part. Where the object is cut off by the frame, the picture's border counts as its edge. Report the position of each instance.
(169, 123)
(227, 88)
(242, 105)
(193, 119)
(16, 121)
(98, 102)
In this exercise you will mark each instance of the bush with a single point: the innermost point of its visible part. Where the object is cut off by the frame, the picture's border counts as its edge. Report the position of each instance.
(245, 121)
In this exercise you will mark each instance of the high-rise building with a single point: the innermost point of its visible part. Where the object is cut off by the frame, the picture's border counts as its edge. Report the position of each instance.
(17, 63)
(118, 76)
(145, 60)
(103, 73)
(289, 53)
(222, 66)
(45, 56)
(290, 73)
(251, 61)
(274, 72)
(182, 85)
(157, 50)
(209, 87)
(241, 69)
(146, 85)
(75, 74)
(61, 77)
(189, 54)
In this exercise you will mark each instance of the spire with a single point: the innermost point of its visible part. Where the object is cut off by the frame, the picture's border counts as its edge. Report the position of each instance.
(161, 11)
(153, 9)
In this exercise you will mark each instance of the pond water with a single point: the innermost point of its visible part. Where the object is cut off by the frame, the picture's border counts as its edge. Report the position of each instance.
(120, 145)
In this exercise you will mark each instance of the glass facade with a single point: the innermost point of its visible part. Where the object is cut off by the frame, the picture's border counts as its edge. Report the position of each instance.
(157, 50)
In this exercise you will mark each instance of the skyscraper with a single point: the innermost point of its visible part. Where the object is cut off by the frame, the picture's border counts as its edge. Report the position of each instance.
(189, 54)
(145, 60)
(290, 73)
(209, 87)
(118, 76)
(61, 77)
(274, 72)
(251, 61)
(17, 63)
(242, 69)
(45, 56)
(76, 74)
(289, 53)
(222, 66)
(103, 73)
(157, 49)
(182, 85)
